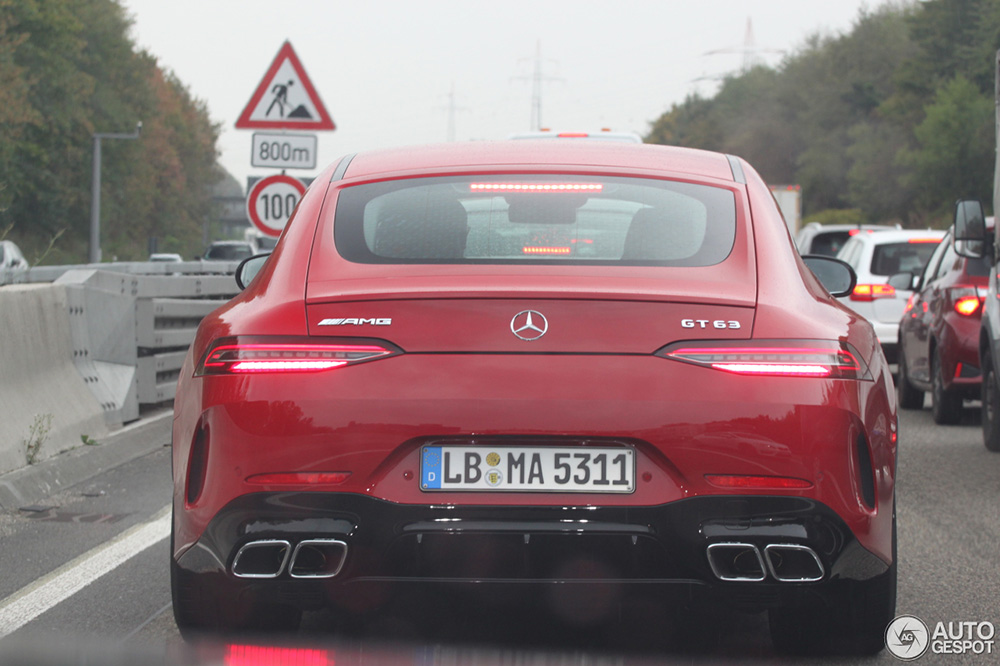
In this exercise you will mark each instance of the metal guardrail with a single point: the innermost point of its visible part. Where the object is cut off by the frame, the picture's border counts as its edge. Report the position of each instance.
(132, 322)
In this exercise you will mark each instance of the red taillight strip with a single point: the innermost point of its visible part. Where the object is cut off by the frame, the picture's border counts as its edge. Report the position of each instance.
(533, 249)
(771, 360)
(759, 482)
(258, 356)
(536, 187)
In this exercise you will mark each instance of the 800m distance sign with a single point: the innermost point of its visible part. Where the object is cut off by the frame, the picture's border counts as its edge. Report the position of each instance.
(284, 151)
(271, 202)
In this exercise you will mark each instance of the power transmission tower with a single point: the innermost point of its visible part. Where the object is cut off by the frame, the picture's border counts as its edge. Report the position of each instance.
(537, 78)
(751, 53)
(452, 108)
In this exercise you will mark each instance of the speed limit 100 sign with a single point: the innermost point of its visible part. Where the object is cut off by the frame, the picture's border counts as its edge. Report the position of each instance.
(271, 202)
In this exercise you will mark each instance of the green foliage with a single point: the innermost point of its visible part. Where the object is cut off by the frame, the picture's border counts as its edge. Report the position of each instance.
(68, 69)
(954, 158)
(893, 119)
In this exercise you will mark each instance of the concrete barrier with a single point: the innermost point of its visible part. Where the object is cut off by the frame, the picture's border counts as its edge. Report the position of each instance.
(43, 398)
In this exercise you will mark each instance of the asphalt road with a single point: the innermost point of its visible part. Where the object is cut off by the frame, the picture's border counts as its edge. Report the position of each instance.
(85, 579)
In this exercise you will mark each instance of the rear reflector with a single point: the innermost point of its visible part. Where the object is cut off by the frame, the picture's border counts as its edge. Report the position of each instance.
(229, 356)
(756, 482)
(775, 358)
(299, 479)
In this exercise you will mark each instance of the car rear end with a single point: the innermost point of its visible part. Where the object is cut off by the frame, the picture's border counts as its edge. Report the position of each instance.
(532, 379)
(876, 258)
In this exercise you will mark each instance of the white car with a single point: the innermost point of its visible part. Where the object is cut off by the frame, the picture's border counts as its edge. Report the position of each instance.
(875, 257)
(827, 239)
(603, 135)
(11, 256)
(169, 257)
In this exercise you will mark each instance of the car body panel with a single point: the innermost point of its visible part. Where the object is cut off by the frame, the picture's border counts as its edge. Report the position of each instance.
(601, 375)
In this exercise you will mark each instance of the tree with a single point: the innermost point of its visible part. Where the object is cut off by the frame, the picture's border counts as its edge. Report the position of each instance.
(68, 69)
(955, 153)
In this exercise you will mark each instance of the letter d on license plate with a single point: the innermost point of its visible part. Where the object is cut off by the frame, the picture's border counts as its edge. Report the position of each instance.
(577, 469)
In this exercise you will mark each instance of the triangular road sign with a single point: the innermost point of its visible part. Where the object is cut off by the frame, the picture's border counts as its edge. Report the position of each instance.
(285, 98)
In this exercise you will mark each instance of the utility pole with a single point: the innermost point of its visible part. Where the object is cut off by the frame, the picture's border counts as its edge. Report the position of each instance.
(94, 254)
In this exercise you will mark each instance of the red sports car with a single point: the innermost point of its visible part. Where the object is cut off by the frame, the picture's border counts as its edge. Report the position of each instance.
(526, 369)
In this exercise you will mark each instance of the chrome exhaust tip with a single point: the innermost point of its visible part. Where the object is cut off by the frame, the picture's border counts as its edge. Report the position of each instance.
(793, 563)
(736, 562)
(318, 558)
(261, 559)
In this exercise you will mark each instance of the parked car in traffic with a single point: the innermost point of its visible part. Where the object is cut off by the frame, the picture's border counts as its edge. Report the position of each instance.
(167, 257)
(592, 372)
(11, 257)
(875, 257)
(603, 134)
(939, 332)
(229, 250)
(827, 239)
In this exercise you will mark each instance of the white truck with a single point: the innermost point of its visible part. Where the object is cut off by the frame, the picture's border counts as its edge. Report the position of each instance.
(789, 198)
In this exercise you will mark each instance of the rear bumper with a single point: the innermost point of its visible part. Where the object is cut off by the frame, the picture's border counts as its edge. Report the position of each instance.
(393, 548)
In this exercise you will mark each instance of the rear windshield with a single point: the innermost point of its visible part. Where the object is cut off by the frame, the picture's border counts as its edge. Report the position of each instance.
(891, 258)
(536, 219)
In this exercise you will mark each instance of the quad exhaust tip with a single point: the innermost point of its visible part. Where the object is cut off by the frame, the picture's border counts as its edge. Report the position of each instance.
(785, 562)
(262, 559)
(318, 558)
(311, 558)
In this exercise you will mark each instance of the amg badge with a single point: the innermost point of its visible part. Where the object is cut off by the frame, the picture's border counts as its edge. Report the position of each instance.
(357, 321)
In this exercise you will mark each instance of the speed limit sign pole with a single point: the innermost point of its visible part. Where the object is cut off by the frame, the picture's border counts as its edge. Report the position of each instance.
(271, 202)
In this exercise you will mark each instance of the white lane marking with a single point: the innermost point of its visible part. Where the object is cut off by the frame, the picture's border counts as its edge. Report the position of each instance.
(32, 600)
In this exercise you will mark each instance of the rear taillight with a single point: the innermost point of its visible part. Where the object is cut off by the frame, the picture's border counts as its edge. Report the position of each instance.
(910, 302)
(257, 355)
(775, 358)
(869, 292)
(966, 300)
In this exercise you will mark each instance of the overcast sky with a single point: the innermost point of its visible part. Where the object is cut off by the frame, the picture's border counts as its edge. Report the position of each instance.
(385, 69)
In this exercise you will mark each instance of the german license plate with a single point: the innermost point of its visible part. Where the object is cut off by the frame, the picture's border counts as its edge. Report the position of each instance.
(528, 468)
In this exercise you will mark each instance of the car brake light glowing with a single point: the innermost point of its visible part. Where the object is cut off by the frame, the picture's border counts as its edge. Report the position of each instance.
(910, 302)
(924, 240)
(869, 292)
(967, 300)
(855, 232)
(806, 359)
(536, 187)
(262, 655)
(967, 305)
(245, 356)
(573, 135)
(299, 478)
(757, 482)
(531, 249)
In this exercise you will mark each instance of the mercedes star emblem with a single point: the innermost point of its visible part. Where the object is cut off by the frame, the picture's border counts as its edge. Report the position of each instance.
(529, 325)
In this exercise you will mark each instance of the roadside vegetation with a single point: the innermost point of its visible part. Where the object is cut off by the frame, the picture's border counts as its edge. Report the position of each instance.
(68, 69)
(891, 122)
